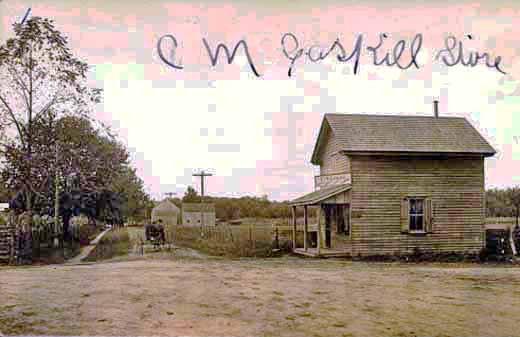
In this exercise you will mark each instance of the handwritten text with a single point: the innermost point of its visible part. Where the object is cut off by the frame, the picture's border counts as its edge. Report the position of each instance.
(402, 54)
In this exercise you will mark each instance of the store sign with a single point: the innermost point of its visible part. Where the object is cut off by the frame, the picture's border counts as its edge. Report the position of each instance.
(331, 180)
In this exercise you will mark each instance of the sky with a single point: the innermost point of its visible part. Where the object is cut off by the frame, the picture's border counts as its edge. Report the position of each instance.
(256, 134)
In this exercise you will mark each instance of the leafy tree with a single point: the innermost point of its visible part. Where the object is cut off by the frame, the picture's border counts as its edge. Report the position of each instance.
(514, 201)
(70, 147)
(130, 187)
(41, 79)
(191, 195)
(498, 203)
(99, 181)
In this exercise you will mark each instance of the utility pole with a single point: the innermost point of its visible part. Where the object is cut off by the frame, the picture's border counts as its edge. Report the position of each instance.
(202, 174)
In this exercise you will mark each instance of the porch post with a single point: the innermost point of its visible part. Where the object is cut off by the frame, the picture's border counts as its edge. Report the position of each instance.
(319, 229)
(305, 222)
(294, 227)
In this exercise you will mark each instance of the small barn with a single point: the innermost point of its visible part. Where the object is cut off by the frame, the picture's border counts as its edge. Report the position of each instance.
(194, 214)
(167, 212)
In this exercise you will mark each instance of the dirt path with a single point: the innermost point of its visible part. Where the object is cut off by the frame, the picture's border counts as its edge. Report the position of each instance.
(85, 251)
(271, 297)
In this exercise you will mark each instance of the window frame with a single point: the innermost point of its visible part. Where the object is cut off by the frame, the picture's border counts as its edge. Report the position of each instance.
(415, 215)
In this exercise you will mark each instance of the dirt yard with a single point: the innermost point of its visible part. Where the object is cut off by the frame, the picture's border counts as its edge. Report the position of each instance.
(193, 295)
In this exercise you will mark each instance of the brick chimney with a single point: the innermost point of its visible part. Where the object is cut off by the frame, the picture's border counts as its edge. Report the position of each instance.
(436, 108)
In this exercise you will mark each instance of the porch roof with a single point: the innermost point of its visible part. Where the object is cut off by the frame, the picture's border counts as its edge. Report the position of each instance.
(319, 195)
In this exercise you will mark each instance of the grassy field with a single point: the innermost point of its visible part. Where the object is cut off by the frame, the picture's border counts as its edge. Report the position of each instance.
(114, 243)
(260, 297)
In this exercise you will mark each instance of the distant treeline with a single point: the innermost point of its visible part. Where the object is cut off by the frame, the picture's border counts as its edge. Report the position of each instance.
(503, 202)
(236, 208)
(500, 203)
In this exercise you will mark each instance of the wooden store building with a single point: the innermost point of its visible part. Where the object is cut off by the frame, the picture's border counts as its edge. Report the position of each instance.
(392, 184)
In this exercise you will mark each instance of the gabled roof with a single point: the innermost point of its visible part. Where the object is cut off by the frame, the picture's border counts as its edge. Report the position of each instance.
(164, 208)
(402, 134)
(196, 207)
(319, 195)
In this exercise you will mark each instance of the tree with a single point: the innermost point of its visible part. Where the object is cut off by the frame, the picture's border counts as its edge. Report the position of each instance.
(72, 148)
(130, 187)
(514, 201)
(191, 195)
(41, 79)
(498, 203)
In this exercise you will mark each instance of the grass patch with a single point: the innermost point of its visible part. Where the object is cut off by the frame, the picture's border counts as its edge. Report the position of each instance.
(227, 241)
(118, 239)
(233, 313)
(113, 243)
(136, 297)
(319, 292)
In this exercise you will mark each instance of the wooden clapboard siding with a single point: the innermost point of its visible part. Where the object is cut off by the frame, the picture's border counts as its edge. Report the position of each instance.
(331, 161)
(455, 186)
(342, 242)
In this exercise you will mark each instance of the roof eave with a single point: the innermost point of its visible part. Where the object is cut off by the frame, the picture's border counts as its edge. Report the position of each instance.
(416, 153)
(317, 200)
(314, 158)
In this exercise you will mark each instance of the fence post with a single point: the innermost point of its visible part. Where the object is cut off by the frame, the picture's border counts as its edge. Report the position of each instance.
(254, 236)
(276, 239)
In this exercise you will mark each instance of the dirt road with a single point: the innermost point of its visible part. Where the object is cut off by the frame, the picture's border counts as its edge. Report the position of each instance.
(269, 297)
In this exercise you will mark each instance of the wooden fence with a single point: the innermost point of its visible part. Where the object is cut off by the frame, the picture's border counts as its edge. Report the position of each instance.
(24, 239)
(15, 239)
(7, 240)
(243, 240)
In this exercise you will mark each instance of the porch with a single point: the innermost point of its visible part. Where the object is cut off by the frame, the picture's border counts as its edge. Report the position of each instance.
(330, 237)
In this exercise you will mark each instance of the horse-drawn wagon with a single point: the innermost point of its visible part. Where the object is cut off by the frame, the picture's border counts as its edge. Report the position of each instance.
(155, 234)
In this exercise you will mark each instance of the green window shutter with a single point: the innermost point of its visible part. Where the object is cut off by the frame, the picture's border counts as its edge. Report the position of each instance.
(405, 221)
(428, 215)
